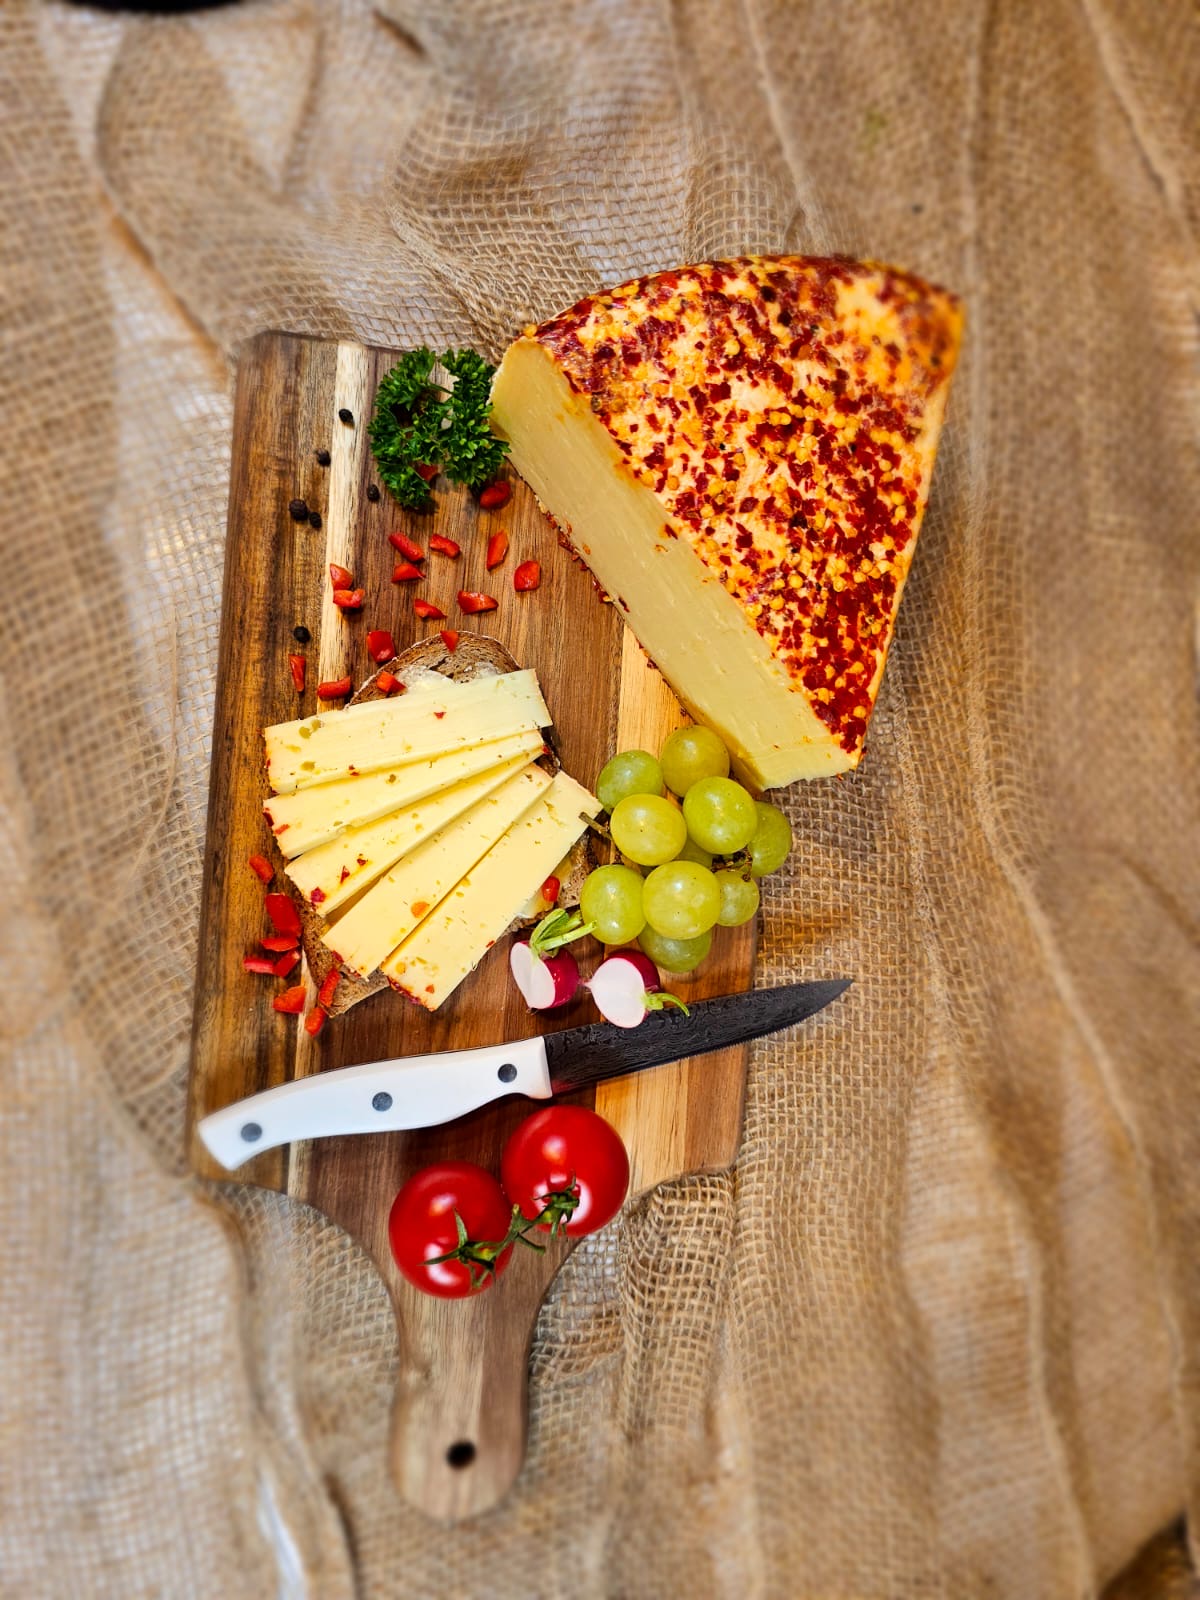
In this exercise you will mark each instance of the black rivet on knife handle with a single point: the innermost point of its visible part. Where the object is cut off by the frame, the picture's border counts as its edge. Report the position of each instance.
(507, 1072)
(251, 1132)
(382, 1101)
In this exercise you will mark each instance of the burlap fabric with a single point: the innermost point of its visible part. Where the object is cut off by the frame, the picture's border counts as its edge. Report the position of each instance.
(937, 1333)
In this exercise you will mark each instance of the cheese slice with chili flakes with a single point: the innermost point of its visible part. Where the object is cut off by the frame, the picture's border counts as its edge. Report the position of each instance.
(310, 818)
(335, 872)
(388, 911)
(741, 452)
(378, 734)
(447, 945)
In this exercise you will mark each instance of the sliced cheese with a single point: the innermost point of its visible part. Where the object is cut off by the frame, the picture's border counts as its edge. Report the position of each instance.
(312, 817)
(537, 905)
(391, 908)
(388, 733)
(430, 964)
(335, 872)
(741, 452)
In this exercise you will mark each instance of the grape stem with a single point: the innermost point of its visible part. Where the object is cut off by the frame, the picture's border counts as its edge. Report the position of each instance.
(741, 861)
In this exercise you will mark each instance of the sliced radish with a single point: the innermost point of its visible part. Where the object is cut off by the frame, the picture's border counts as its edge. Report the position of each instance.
(544, 981)
(626, 986)
(649, 972)
(542, 970)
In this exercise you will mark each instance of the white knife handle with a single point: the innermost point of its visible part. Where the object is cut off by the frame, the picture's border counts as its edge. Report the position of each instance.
(411, 1092)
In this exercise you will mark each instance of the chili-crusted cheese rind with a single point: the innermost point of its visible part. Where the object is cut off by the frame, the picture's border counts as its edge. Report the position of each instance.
(741, 452)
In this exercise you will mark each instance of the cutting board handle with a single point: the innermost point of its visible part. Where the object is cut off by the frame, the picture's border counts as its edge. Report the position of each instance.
(459, 1420)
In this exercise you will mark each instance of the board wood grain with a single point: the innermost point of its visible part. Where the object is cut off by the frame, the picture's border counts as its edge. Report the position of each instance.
(459, 1420)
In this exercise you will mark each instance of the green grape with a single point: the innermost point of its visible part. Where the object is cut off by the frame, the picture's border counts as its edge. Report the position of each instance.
(674, 955)
(692, 852)
(739, 897)
(691, 754)
(648, 829)
(771, 840)
(631, 772)
(681, 900)
(720, 815)
(612, 900)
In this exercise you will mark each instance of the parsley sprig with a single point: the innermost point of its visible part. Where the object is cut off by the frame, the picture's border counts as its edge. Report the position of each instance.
(418, 422)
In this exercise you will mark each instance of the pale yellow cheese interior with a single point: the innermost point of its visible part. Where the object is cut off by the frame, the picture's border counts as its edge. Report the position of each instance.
(335, 872)
(392, 805)
(404, 897)
(311, 817)
(448, 944)
(386, 733)
(694, 631)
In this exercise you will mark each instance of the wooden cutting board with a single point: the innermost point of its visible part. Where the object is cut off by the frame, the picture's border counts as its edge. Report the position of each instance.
(459, 1420)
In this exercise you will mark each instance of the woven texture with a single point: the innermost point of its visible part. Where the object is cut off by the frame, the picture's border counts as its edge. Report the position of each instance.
(937, 1334)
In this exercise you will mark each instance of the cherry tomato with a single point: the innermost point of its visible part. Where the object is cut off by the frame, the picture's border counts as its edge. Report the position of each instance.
(422, 1226)
(567, 1148)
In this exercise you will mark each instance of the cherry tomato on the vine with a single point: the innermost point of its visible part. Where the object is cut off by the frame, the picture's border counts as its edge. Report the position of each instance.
(422, 1225)
(567, 1148)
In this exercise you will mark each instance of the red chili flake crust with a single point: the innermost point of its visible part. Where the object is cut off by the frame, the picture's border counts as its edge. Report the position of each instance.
(780, 408)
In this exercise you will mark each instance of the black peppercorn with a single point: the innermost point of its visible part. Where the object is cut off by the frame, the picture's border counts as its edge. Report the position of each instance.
(347, 416)
(372, 492)
(301, 634)
(299, 510)
(314, 519)
(323, 458)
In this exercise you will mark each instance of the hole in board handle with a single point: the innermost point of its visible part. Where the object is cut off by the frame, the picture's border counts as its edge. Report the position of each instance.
(461, 1454)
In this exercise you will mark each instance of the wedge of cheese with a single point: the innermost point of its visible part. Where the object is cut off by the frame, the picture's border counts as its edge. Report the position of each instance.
(390, 909)
(335, 872)
(380, 734)
(432, 961)
(741, 453)
(310, 818)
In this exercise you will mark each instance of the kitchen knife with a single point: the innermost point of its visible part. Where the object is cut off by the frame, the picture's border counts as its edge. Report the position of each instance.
(421, 1091)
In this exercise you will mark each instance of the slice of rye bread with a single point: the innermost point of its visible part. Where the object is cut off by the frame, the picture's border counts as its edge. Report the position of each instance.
(475, 656)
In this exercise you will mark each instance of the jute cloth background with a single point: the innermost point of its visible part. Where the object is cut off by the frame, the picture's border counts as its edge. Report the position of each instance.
(937, 1334)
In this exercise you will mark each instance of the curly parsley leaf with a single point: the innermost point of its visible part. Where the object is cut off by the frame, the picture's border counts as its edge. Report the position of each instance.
(473, 454)
(419, 423)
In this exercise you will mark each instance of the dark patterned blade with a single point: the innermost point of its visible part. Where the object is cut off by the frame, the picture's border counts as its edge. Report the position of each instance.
(578, 1057)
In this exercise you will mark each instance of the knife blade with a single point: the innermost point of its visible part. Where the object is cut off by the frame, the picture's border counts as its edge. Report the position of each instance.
(422, 1091)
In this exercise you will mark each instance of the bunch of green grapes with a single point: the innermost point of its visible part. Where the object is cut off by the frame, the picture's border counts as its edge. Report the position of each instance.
(700, 840)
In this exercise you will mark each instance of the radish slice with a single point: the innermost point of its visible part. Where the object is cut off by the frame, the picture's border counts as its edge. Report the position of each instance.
(544, 972)
(544, 981)
(626, 987)
(650, 978)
